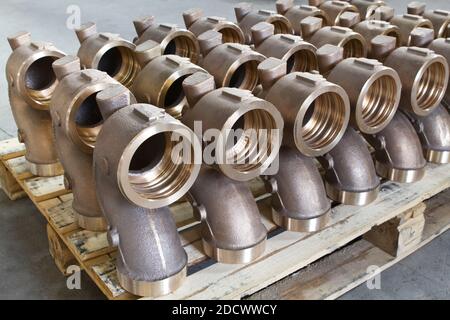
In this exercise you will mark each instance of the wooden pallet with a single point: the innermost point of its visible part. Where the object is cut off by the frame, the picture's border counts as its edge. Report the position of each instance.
(286, 252)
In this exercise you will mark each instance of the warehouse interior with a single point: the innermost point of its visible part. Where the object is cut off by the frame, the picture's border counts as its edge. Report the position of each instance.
(29, 272)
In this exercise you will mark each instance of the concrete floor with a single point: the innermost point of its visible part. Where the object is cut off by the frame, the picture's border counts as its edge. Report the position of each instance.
(27, 269)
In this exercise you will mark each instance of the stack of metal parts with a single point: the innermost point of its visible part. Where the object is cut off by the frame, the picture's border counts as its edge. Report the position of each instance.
(276, 94)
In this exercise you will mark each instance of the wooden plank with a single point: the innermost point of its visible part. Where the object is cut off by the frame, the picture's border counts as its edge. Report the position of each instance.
(43, 188)
(61, 217)
(88, 244)
(9, 184)
(347, 268)
(19, 168)
(58, 250)
(11, 148)
(288, 252)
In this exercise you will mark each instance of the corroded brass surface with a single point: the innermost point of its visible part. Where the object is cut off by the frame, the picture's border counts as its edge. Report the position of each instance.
(31, 85)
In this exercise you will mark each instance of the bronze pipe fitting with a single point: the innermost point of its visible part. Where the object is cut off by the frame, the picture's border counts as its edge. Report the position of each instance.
(373, 89)
(257, 123)
(424, 76)
(434, 133)
(350, 176)
(160, 80)
(172, 39)
(298, 54)
(295, 14)
(107, 52)
(247, 18)
(353, 43)
(299, 198)
(31, 84)
(442, 46)
(439, 18)
(334, 9)
(232, 231)
(198, 24)
(232, 64)
(138, 173)
(315, 112)
(407, 24)
(76, 124)
(368, 8)
(370, 29)
(398, 152)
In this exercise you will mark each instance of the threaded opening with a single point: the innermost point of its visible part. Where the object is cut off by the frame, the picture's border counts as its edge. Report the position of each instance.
(302, 61)
(155, 172)
(183, 46)
(353, 48)
(431, 86)
(245, 77)
(324, 120)
(281, 27)
(175, 94)
(88, 120)
(121, 64)
(252, 142)
(40, 80)
(380, 102)
(230, 35)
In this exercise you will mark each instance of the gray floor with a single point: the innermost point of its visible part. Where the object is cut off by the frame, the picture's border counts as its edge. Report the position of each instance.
(27, 270)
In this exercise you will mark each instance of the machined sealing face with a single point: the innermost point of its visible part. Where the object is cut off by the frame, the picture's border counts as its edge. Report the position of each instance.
(320, 122)
(120, 63)
(242, 75)
(38, 81)
(181, 44)
(230, 33)
(430, 85)
(303, 60)
(250, 141)
(159, 165)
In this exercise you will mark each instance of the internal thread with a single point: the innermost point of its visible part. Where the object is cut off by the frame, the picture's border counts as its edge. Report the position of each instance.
(245, 77)
(281, 27)
(129, 68)
(324, 120)
(182, 46)
(155, 173)
(255, 144)
(431, 86)
(229, 35)
(353, 48)
(40, 80)
(379, 102)
(88, 120)
(302, 61)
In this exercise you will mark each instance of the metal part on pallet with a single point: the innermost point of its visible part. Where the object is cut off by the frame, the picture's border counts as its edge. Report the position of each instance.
(247, 17)
(398, 151)
(232, 230)
(308, 104)
(299, 199)
(107, 52)
(172, 39)
(334, 9)
(198, 24)
(407, 24)
(424, 75)
(31, 84)
(137, 177)
(442, 46)
(368, 8)
(246, 153)
(295, 14)
(373, 89)
(160, 80)
(298, 54)
(353, 43)
(76, 123)
(370, 29)
(434, 133)
(231, 64)
(350, 176)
